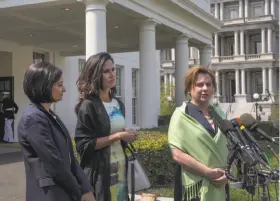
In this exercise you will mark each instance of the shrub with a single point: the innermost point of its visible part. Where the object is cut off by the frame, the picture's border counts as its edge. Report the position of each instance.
(155, 156)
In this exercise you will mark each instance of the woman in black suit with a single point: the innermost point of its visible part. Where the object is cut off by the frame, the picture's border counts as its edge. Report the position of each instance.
(52, 172)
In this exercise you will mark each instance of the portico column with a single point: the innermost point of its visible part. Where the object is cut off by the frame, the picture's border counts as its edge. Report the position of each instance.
(269, 40)
(148, 73)
(240, 8)
(170, 84)
(241, 42)
(96, 35)
(205, 54)
(243, 90)
(266, 7)
(246, 8)
(221, 11)
(216, 11)
(165, 84)
(264, 80)
(237, 81)
(216, 45)
(263, 40)
(236, 43)
(181, 67)
(272, 7)
(217, 78)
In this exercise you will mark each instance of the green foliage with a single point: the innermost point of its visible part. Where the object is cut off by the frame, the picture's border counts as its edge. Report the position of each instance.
(75, 150)
(167, 102)
(154, 155)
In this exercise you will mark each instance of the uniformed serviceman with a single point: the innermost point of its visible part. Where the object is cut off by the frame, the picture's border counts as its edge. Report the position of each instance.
(10, 108)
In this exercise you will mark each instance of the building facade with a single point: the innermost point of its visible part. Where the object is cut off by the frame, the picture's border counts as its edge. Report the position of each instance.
(60, 30)
(245, 54)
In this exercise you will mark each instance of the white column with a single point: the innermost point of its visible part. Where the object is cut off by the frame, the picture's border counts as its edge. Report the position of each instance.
(270, 80)
(236, 43)
(243, 90)
(269, 40)
(222, 46)
(165, 84)
(216, 45)
(247, 43)
(205, 54)
(241, 42)
(221, 10)
(170, 84)
(216, 11)
(266, 7)
(148, 72)
(246, 8)
(217, 78)
(96, 34)
(272, 7)
(181, 67)
(173, 54)
(264, 79)
(240, 8)
(224, 86)
(191, 49)
(237, 82)
(263, 40)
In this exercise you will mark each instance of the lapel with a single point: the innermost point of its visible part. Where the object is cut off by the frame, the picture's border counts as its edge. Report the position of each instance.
(54, 118)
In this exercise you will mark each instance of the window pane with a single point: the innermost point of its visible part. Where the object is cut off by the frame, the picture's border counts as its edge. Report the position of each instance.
(257, 11)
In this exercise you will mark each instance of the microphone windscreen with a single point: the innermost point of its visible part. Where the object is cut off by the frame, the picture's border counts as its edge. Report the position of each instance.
(226, 125)
(247, 120)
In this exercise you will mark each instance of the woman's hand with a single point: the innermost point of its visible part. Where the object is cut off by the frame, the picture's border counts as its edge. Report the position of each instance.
(213, 174)
(88, 197)
(220, 182)
(128, 135)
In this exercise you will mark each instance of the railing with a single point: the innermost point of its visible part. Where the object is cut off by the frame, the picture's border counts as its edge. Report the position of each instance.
(226, 58)
(276, 56)
(252, 56)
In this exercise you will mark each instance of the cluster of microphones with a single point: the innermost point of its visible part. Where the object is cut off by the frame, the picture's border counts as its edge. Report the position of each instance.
(241, 133)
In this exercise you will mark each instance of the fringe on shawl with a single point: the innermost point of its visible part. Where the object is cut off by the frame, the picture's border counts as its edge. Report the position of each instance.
(192, 191)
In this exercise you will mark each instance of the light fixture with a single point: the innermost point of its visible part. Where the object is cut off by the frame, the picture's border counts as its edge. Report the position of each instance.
(75, 46)
(116, 27)
(256, 96)
(67, 9)
(30, 35)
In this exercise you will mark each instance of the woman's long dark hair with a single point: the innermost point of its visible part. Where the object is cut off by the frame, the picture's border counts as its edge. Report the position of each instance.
(90, 80)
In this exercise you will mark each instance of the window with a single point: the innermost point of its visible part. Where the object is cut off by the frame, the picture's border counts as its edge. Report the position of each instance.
(38, 57)
(81, 64)
(257, 47)
(119, 81)
(212, 9)
(257, 9)
(232, 12)
(134, 95)
(231, 49)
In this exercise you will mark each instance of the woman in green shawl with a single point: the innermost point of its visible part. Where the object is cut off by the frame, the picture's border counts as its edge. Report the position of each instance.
(197, 144)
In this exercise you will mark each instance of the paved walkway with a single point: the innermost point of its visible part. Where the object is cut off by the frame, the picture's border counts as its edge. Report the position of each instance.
(12, 182)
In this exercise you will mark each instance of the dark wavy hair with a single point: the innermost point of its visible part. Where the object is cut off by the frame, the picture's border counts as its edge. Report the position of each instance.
(90, 81)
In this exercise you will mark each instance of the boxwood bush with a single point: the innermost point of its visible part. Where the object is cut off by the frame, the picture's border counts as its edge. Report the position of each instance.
(154, 155)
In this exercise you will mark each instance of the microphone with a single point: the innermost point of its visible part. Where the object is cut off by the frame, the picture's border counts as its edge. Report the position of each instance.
(249, 122)
(246, 153)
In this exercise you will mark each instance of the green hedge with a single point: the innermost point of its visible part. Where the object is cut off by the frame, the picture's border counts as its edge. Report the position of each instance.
(155, 156)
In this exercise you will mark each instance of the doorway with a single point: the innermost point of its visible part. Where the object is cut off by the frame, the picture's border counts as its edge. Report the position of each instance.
(232, 91)
(6, 84)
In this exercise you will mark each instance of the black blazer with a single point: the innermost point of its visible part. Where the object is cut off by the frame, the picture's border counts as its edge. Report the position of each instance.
(93, 122)
(52, 172)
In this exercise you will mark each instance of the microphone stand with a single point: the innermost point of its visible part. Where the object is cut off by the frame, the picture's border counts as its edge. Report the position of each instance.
(273, 152)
